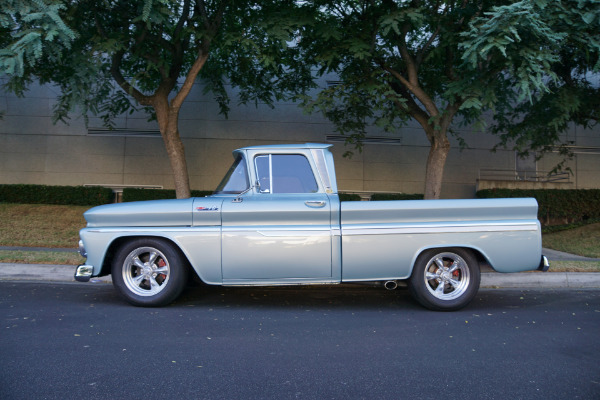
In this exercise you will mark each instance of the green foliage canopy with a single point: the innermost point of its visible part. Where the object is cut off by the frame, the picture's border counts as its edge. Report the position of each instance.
(434, 61)
(147, 47)
(28, 29)
(153, 50)
(548, 51)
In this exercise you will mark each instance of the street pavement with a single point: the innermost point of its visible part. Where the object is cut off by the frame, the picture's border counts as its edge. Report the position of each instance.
(489, 278)
(68, 341)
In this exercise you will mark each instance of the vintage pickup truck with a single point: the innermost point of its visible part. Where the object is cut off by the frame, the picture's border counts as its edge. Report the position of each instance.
(276, 219)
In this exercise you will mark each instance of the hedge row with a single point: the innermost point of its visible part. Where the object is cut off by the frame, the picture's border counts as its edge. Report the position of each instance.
(66, 195)
(396, 196)
(134, 194)
(349, 197)
(381, 196)
(556, 206)
(97, 195)
(131, 194)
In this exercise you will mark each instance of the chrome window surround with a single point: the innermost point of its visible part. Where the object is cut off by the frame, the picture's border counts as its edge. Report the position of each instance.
(319, 158)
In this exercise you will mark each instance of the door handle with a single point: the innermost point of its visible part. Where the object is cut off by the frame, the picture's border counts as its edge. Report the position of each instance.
(315, 203)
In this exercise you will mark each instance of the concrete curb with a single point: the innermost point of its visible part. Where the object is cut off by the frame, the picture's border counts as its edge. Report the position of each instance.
(64, 273)
(42, 272)
(541, 280)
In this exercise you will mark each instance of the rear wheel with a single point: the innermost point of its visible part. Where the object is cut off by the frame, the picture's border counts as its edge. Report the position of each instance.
(445, 279)
(149, 272)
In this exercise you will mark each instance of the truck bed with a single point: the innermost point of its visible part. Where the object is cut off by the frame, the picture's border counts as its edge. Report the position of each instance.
(383, 238)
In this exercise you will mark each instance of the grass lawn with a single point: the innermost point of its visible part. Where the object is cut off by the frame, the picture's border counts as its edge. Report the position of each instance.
(583, 241)
(35, 225)
(574, 266)
(41, 257)
(40, 225)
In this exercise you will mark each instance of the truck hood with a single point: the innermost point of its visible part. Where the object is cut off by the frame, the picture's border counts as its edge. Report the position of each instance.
(200, 211)
(142, 213)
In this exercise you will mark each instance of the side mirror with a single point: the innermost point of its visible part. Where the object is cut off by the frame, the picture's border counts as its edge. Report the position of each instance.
(257, 185)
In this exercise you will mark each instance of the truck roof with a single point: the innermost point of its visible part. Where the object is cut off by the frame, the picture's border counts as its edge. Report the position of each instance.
(289, 146)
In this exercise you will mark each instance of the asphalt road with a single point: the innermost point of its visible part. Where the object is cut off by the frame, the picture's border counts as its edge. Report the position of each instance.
(74, 341)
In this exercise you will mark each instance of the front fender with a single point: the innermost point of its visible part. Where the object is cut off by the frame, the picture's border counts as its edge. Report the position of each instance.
(201, 246)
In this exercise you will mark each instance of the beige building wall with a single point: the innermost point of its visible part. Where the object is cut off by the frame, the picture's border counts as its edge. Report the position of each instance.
(34, 150)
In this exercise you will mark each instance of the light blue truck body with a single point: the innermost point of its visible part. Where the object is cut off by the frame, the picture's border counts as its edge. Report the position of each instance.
(292, 230)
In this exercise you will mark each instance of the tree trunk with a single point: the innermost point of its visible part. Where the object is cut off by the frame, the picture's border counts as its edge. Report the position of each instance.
(167, 113)
(168, 122)
(434, 173)
(176, 153)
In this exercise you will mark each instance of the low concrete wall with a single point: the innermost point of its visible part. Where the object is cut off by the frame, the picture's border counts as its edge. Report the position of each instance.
(483, 184)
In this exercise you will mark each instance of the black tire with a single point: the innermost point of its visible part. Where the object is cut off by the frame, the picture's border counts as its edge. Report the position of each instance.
(445, 279)
(149, 272)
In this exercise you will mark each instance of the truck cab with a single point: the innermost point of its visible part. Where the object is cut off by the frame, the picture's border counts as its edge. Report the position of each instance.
(280, 216)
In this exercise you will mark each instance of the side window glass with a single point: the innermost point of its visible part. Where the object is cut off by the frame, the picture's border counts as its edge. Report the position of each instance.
(285, 173)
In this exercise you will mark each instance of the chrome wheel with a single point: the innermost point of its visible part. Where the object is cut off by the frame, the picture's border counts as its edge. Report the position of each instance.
(447, 276)
(149, 272)
(445, 279)
(146, 271)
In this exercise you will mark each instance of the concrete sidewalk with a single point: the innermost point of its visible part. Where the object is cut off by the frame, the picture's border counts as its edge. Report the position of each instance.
(555, 255)
(489, 279)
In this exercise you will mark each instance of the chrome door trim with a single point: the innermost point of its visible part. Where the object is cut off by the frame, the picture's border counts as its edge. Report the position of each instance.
(437, 228)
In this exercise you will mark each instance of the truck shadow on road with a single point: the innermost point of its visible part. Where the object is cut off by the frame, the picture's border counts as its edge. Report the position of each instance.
(354, 296)
(324, 297)
(343, 296)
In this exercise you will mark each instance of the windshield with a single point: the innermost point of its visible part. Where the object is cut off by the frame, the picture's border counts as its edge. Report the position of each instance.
(235, 180)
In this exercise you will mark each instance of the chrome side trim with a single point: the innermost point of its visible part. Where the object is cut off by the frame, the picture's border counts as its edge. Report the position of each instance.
(286, 233)
(279, 282)
(438, 228)
(155, 229)
(289, 231)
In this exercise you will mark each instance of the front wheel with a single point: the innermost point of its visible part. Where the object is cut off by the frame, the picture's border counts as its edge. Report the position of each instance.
(445, 279)
(149, 272)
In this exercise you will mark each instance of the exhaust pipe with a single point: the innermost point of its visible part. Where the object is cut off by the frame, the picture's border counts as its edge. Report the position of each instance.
(390, 285)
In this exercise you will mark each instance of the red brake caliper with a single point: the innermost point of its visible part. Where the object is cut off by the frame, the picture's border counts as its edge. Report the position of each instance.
(161, 263)
(456, 273)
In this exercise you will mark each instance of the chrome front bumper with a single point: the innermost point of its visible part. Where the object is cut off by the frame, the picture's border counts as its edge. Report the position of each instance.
(544, 264)
(83, 273)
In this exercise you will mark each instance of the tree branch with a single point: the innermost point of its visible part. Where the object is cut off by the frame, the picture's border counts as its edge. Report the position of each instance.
(189, 79)
(411, 68)
(202, 8)
(421, 53)
(218, 18)
(413, 108)
(115, 70)
(415, 89)
(182, 20)
(99, 27)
